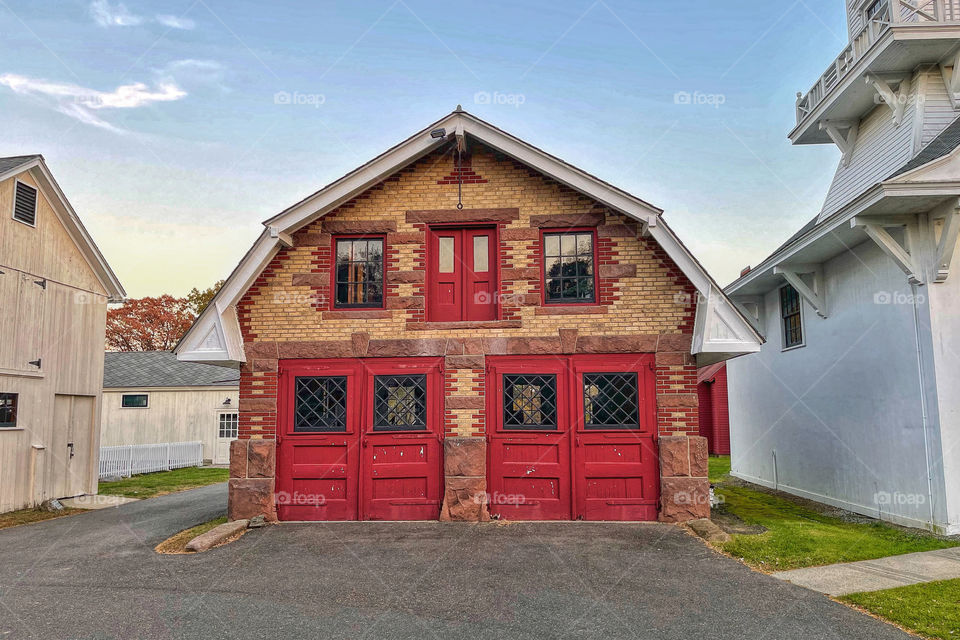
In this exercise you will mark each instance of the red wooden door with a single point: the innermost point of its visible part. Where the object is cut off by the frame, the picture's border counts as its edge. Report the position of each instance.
(529, 439)
(318, 457)
(616, 467)
(462, 280)
(402, 441)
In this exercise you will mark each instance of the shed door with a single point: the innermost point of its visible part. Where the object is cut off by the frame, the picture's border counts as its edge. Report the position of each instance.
(72, 457)
(462, 274)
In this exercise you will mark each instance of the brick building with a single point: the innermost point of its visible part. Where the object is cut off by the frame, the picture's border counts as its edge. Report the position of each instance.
(463, 327)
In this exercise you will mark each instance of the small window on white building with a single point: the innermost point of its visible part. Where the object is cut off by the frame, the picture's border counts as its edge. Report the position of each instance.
(228, 425)
(8, 410)
(134, 400)
(792, 317)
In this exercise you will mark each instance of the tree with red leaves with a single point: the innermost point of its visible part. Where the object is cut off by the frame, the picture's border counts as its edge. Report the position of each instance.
(148, 324)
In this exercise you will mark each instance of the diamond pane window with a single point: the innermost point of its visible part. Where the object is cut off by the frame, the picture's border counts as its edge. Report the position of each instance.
(610, 401)
(529, 402)
(400, 403)
(359, 273)
(568, 267)
(321, 404)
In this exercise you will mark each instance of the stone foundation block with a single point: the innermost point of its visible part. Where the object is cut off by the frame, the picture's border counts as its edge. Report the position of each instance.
(250, 497)
(465, 499)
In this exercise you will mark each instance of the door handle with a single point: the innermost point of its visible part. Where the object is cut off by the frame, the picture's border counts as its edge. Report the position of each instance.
(70, 445)
(577, 441)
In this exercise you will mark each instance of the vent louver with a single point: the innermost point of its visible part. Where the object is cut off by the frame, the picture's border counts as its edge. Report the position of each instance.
(25, 204)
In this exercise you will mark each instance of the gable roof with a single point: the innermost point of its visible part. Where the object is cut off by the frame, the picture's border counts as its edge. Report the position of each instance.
(14, 165)
(215, 335)
(122, 369)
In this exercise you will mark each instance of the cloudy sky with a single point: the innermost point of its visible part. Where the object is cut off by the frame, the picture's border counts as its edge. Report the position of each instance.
(175, 128)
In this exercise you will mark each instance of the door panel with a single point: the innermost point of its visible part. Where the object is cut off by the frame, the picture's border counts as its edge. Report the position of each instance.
(480, 281)
(462, 280)
(446, 276)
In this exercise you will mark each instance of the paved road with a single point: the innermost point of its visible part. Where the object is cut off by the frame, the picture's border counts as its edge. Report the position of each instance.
(95, 576)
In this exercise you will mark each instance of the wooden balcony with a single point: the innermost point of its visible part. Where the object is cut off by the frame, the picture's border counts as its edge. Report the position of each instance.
(880, 21)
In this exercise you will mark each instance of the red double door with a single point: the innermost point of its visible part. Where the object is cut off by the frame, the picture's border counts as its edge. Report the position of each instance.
(572, 437)
(360, 439)
(462, 274)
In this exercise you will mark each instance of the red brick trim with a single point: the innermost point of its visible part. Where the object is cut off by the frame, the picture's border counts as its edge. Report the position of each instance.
(586, 219)
(357, 314)
(432, 216)
(405, 277)
(359, 226)
(562, 310)
(617, 271)
(310, 279)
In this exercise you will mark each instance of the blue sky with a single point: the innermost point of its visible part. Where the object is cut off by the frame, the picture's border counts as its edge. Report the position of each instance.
(161, 122)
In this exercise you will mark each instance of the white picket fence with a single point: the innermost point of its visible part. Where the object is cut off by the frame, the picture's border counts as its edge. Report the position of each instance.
(127, 460)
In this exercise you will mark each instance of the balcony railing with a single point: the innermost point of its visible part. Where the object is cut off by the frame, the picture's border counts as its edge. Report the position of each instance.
(877, 18)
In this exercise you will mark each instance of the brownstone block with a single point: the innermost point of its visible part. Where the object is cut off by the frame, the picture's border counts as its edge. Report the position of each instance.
(454, 347)
(431, 216)
(571, 310)
(406, 348)
(405, 277)
(465, 456)
(668, 358)
(678, 400)
(320, 349)
(310, 279)
(463, 402)
(265, 364)
(258, 405)
(359, 226)
(360, 340)
(616, 231)
(585, 219)
(472, 345)
(699, 457)
(675, 342)
(260, 349)
(311, 239)
(238, 458)
(465, 499)
(617, 271)
(261, 457)
(249, 497)
(568, 340)
(531, 346)
(520, 234)
(521, 273)
(683, 499)
(465, 362)
(406, 237)
(404, 302)
(674, 456)
(357, 314)
(640, 343)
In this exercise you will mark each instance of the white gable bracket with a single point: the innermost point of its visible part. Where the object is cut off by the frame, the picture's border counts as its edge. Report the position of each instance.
(948, 69)
(845, 142)
(751, 307)
(897, 101)
(876, 229)
(947, 244)
(815, 297)
(285, 238)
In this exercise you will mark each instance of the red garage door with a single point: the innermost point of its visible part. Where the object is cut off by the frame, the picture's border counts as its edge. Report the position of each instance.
(359, 439)
(572, 438)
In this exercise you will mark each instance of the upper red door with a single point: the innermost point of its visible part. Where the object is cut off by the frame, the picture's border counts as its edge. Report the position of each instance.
(360, 439)
(462, 280)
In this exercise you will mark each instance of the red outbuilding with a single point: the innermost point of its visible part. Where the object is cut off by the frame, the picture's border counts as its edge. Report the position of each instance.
(714, 416)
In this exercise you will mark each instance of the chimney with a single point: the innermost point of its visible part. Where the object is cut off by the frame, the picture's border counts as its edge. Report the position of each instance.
(745, 271)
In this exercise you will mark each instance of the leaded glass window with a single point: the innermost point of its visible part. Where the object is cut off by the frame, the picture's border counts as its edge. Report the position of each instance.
(321, 404)
(529, 402)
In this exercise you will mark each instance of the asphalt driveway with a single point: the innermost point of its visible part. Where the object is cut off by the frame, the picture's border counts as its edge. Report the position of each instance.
(96, 576)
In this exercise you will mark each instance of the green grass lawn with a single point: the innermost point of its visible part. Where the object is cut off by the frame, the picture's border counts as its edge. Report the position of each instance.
(26, 516)
(932, 609)
(150, 485)
(798, 536)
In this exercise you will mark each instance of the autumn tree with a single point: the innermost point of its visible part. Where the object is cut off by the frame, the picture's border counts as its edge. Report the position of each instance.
(199, 300)
(148, 324)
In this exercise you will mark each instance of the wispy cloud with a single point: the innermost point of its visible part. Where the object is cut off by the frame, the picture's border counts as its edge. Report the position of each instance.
(81, 103)
(176, 23)
(117, 15)
(113, 16)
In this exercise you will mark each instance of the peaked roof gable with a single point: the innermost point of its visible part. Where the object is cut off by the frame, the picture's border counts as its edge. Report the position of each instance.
(726, 331)
(35, 164)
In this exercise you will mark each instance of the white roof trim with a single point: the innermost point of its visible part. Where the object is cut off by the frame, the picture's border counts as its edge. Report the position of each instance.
(408, 151)
(71, 222)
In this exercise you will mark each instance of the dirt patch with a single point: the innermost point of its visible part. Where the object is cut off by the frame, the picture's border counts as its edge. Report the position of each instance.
(734, 525)
(177, 544)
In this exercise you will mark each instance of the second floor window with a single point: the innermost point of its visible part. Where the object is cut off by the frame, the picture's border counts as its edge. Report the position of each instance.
(134, 401)
(792, 317)
(568, 268)
(358, 273)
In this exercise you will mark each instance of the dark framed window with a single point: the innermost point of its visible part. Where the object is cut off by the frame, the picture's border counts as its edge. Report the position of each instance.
(25, 204)
(134, 400)
(321, 404)
(358, 273)
(792, 315)
(400, 403)
(8, 410)
(529, 402)
(611, 401)
(228, 425)
(568, 267)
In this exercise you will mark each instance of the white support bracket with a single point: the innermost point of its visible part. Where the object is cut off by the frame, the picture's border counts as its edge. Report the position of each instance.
(285, 238)
(752, 308)
(951, 78)
(897, 101)
(876, 228)
(845, 142)
(815, 297)
(947, 244)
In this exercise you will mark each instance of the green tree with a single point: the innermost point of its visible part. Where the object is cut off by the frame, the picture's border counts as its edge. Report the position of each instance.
(198, 300)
